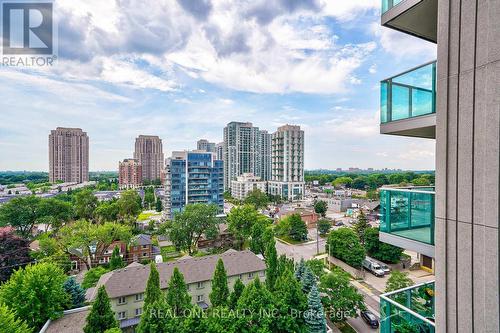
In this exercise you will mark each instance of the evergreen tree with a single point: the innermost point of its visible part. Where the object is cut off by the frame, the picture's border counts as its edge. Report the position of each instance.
(10, 324)
(289, 299)
(272, 266)
(284, 263)
(315, 316)
(101, 317)
(159, 205)
(308, 280)
(76, 293)
(178, 298)
(255, 301)
(220, 290)
(360, 226)
(236, 294)
(257, 245)
(116, 261)
(153, 301)
(299, 271)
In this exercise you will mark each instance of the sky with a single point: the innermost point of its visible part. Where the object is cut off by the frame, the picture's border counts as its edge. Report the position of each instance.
(183, 69)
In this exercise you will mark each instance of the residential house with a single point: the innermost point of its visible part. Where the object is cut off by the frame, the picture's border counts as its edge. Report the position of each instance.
(224, 239)
(141, 248)
(126, 287)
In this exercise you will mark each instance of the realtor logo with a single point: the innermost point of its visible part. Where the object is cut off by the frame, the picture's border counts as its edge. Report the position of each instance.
(27, 28)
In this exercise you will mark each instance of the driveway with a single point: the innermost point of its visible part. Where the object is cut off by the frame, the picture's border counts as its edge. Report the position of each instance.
(305, 250)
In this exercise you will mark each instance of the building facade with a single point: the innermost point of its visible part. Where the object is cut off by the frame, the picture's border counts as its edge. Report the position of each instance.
(265, 155)
(455, 101)
(193, 177)
(129, 173)
(219, 151)
(205, 145)
(126, 287)
(149, 153)
(68, 155)
(287, 157)
(245, 184)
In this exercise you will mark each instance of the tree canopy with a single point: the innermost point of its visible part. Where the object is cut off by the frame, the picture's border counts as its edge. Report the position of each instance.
(380, 250)
(220, 290)
(188, 226)
(101, 316)
(320, 207)
(344, 244)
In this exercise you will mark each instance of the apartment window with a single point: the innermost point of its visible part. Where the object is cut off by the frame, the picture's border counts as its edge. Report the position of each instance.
(199, 298)
(145, 254)
(122, 300)
(200, 285)
(122, 315)
(262, 273)
(138, 312)
(139, 297)
(250, 275)
(144, 246)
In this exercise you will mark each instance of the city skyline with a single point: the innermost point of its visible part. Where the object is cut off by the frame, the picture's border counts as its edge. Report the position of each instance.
(327, 61)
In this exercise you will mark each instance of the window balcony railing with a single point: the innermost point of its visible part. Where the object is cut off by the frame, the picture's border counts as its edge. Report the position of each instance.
(408, 310)
(409, 94)
(408, 213)
(388, 4)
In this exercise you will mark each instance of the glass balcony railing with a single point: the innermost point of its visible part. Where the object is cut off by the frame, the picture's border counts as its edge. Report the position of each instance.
(408, 310)
(409, 94)
(408, 213)
(388, 4)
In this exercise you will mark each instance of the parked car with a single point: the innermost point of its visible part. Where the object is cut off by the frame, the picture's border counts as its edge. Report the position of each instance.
(339, 224)
(373, 267)
(385, 268)
(370, 318)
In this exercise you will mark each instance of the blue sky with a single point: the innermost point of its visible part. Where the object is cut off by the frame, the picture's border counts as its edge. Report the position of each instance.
(183, 69)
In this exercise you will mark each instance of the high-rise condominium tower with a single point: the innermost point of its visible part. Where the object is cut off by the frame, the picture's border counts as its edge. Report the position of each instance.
(205, 145)
(130, 173)
(68, 155)
(455, 227)
(149, 153)
(287, 163)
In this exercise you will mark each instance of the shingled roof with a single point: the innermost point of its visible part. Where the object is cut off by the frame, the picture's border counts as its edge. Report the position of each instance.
(132, 280)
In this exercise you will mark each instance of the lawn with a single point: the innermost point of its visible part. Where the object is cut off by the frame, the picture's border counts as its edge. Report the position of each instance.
(287, 239)
(146, 215)
(169, 253)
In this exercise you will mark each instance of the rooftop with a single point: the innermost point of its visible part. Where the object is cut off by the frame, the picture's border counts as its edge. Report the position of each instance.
(132, 280)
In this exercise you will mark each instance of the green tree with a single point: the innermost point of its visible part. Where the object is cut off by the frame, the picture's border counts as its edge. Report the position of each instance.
(421, 181)
(86, 236)
(320, 207)
(129, 205)
(149, 197)
(159, 205)
(92, 276)
(299, 270)
(289, 299)
(14, 253)
(116, 261)
(54, 212)
(298, 229)
(360, 182)
(272, 266)
(241, 220)
(254, 301)
(261, 235)
(344, 244)
(324, 226)
(21, 213)
(177, 297)
(316, 266)
(75, 291)
(107, 211)
(188, 226)
(101, 316)
(284, 264)
(85, 203)
(341, 299)
(380, 250)
(342, 182)
(308, 280)
(315, 315)
(236, 294)
(360, 226)
(153, 301)
(220, 290)
(113, 330)
(36, 293)
(398, 280)
(10, 324)
(257, 198)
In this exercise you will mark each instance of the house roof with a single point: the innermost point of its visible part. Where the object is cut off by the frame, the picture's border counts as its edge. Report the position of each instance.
(141, 239)
(72, 321)
(132, 280)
